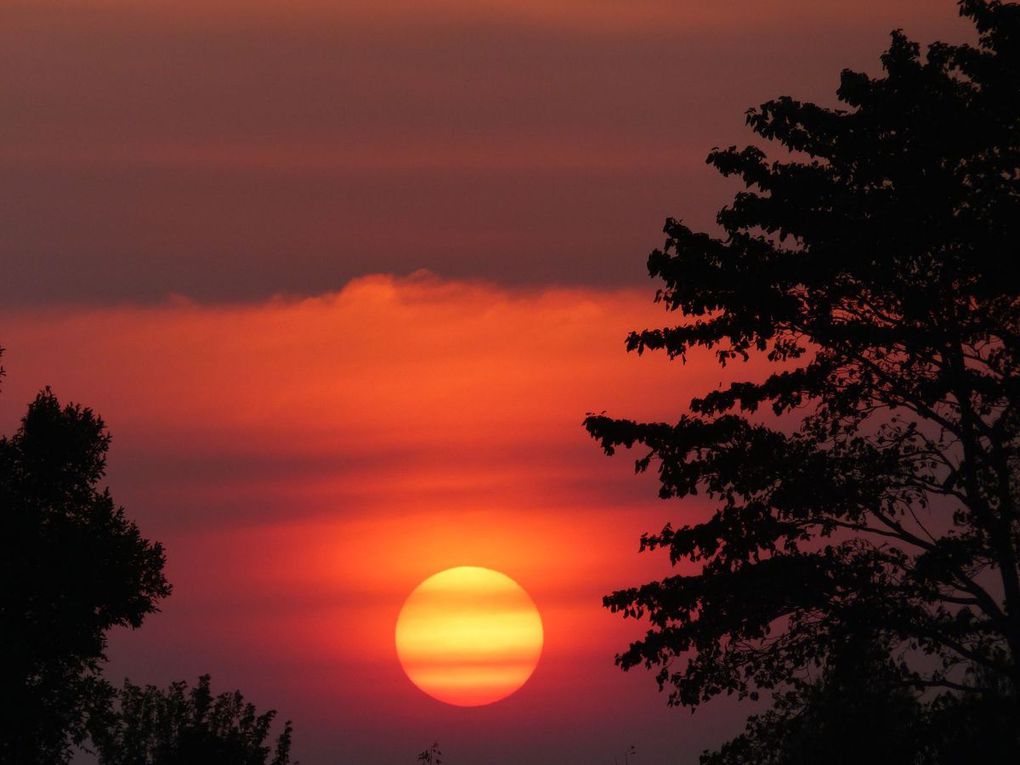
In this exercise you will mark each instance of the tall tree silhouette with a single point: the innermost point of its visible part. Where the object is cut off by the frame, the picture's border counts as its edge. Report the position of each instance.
(873, 270)
(182, 726)
(71, 567)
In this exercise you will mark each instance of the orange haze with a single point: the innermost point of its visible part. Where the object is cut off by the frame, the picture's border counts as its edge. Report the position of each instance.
(309, 462)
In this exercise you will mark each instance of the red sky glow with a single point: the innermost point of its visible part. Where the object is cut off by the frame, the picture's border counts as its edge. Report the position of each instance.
(343, 279)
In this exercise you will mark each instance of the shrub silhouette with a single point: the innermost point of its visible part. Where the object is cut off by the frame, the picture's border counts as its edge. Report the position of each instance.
(431, 756)
(182, 726)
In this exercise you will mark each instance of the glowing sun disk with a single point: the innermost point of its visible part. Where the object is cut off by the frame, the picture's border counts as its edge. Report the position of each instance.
(469, 636)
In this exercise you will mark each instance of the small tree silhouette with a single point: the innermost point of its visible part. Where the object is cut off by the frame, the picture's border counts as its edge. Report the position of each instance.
(182, 726)
(857, 711)
(431, 756)
(630, 751)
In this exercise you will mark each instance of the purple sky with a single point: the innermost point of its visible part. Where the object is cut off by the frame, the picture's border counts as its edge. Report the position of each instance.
(236, 150)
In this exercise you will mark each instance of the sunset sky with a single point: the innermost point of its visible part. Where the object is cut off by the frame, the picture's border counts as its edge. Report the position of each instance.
(343, 279)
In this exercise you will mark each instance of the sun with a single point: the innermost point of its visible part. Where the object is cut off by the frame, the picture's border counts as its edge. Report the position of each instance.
(469, 636)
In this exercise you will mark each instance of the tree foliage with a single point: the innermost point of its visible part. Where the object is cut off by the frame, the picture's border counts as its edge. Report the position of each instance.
(182, 726)
(72, 566)
(859, 710)
(822, 721)
(867, 484)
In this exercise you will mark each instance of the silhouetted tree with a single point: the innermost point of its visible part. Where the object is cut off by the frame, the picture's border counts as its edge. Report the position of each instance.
(973, 727)
(182, 726)
(858, 711)
(71, 567)
(431, 756)
(873, 272)
(628, 753)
